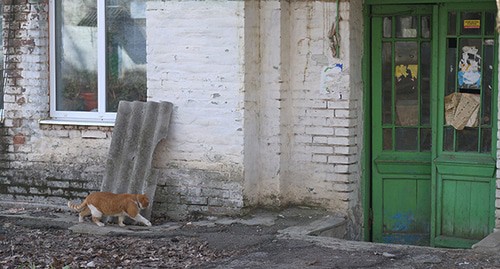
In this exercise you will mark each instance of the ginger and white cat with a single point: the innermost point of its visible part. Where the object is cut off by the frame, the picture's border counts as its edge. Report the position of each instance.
(99, 204)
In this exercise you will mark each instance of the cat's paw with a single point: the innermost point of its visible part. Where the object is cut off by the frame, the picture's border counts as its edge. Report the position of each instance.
(100, 224)
(147, 223)
(121, 224)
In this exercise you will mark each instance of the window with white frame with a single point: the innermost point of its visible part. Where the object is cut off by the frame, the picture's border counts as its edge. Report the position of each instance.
(98, 57)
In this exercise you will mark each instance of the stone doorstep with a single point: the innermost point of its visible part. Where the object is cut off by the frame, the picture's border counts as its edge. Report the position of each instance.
(490, 243)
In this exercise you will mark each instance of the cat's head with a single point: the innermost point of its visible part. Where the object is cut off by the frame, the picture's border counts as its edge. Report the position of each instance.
(143, 200)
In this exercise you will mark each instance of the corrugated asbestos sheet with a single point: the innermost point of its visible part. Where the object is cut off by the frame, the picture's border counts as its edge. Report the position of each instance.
(139, 128)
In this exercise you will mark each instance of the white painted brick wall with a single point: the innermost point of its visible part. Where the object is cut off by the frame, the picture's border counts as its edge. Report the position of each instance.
(325, 143)
(195, 60)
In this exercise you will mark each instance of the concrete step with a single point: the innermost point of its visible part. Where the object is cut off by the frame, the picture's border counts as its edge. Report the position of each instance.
(490, 243)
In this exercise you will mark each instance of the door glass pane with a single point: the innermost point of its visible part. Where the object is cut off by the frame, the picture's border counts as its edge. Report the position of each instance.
(425, 139)
(486, 140)
(426, 26)
(126, 52)
(406, 26)
(387, 83)
(488, 58)
(448, 139)
(471, 23)
(451, 66)
(452, 23)
(425, 83)
(489, 25)
(407, 139)
(467, 139)
(387, 137)
(387, 27)
(406, 84)
(76, 56)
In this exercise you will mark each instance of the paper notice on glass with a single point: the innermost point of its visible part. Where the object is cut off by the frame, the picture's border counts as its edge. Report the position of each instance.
(450, 105)
(462, 110)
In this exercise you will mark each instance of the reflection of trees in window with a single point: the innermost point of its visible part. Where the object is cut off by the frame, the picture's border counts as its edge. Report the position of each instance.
(126, 54)
(76, 84)
(129, 87)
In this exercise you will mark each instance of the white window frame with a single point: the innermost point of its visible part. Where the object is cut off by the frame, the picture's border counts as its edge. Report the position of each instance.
(82, 116)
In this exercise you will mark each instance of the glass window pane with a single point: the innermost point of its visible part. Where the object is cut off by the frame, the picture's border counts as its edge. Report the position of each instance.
(448, 144)
(387, 27)
(406, 26)
(486, 140)
(76, 56)
(387, 139)
(452, 23)
(451, 66)
(406, 85)
(467, 140)
(407, 139)
(471, 23)
(387, 83)
(426, 26)
(425, 83)
(487, 82)
(489, 25)
(425, 139)
(125, 52)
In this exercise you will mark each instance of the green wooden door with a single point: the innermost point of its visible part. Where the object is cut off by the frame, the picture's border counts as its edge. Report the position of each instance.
(433, 172)
(466, 125)
(402, 133)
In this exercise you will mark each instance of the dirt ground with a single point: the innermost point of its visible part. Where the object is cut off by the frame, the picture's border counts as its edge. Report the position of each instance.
(31, 239)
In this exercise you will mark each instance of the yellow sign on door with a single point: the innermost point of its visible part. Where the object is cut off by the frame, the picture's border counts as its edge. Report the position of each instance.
(472, 24)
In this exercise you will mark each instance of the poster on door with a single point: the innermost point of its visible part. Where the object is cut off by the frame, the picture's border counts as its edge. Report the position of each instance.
(469, 72)
(462, 110)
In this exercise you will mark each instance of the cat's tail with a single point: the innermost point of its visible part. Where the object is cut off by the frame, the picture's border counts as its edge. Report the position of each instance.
(76, 207)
